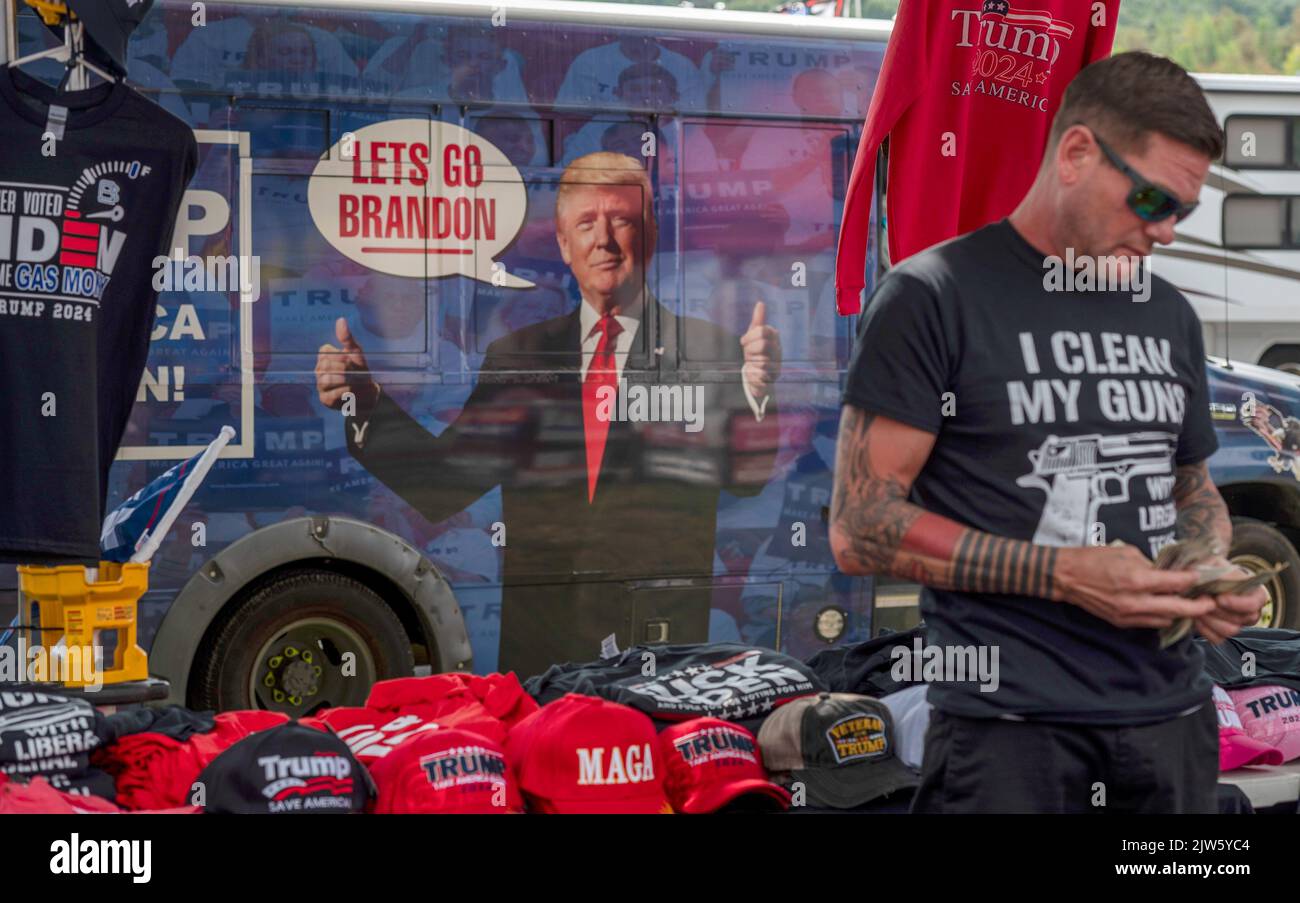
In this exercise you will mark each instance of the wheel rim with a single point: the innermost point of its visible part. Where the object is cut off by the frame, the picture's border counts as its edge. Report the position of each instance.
(1271, 614)
(300, 670)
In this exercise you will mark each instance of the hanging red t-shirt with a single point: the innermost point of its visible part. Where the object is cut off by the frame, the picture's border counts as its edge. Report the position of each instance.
(966, 94)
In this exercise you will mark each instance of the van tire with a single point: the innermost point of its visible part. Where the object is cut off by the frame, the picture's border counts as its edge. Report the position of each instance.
(275, 633)
(1254, 544)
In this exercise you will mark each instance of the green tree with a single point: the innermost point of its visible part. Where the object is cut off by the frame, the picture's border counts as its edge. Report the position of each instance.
(1253, 36)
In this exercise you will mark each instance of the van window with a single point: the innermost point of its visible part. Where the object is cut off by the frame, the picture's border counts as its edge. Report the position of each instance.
(786, 183)
(1257, 221)
(523, 136)
(1259, 142)
(283, 133)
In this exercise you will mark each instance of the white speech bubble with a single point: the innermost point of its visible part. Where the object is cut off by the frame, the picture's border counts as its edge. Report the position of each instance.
(420, 199)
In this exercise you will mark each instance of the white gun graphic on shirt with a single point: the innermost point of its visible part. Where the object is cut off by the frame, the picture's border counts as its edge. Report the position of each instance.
(1082, 473)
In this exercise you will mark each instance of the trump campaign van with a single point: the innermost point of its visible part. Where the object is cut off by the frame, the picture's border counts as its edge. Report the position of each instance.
(443, 459)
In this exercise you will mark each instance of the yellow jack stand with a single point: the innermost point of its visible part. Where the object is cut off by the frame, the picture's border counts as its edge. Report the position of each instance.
(74, 614)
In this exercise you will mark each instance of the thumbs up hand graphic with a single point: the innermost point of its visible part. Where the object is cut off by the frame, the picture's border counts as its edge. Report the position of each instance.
(761, 345)
(342, 369)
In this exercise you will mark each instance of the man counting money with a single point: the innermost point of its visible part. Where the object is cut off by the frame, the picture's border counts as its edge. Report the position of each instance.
(1000, 433)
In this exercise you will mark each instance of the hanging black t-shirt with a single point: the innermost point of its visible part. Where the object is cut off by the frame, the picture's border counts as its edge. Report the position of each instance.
(1059, 418)
(80, 227)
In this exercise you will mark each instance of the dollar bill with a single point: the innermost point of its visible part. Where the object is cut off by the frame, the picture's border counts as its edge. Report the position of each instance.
(1232, 586)
(1218, 581)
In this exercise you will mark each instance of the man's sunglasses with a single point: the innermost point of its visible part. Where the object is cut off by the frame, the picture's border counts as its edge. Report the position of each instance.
(1148, 200)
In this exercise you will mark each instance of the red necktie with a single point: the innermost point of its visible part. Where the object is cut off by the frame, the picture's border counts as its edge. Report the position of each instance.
(600, 372)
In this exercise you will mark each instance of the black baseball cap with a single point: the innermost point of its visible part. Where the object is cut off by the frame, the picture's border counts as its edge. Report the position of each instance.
(108, 25)
(291, 769)
(840, 746)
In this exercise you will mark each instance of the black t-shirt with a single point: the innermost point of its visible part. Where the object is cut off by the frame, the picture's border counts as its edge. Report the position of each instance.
(1274, 651)
(867, 669)
(676, 683)
(80, 228)
(43, 733)
(1059, 418)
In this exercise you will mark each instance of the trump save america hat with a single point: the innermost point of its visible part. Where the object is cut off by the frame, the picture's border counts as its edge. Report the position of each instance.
(583, 754)
(286, 770)
(446, 771)
(710, 764)
(840, 746)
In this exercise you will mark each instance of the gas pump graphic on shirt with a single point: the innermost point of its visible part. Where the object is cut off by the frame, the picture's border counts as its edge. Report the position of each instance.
(1082, 473)
(83, 242)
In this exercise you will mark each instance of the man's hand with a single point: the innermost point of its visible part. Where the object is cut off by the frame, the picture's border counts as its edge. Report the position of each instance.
(762, 349)
(343, 370)
(1231, 613)
(1122, 587)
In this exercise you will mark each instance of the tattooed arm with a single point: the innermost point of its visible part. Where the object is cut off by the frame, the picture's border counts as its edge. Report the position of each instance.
(875, 530)
(1201, 511)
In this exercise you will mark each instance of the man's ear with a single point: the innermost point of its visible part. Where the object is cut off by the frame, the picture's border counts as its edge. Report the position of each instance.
(1073, 154)
(563, 241)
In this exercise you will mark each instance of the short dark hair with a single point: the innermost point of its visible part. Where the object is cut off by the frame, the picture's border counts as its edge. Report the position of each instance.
(1128, 96)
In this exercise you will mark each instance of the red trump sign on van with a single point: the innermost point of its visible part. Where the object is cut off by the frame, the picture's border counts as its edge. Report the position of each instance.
(417, 198)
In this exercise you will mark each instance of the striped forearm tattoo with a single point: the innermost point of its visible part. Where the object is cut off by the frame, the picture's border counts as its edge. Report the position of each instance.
(984, 563)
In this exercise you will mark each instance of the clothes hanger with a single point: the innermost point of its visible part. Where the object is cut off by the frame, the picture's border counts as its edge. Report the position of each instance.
(54, 12)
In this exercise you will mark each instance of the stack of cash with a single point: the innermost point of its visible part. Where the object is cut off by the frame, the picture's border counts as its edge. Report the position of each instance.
(1215, 581)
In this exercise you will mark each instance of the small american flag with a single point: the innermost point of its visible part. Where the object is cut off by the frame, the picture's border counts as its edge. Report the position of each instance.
(134, 529)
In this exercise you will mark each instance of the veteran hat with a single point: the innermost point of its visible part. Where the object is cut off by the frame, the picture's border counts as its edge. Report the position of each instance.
(840, 746)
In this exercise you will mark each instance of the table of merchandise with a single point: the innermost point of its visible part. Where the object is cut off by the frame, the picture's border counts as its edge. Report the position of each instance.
(1266, 785)
(110, 697)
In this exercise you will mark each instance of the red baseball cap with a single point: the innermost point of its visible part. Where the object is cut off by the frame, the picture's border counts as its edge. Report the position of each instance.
(582, 754)
(446, 771)
(710, 763)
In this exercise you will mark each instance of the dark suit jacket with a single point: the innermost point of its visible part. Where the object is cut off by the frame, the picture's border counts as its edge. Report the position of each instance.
(570, 564)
